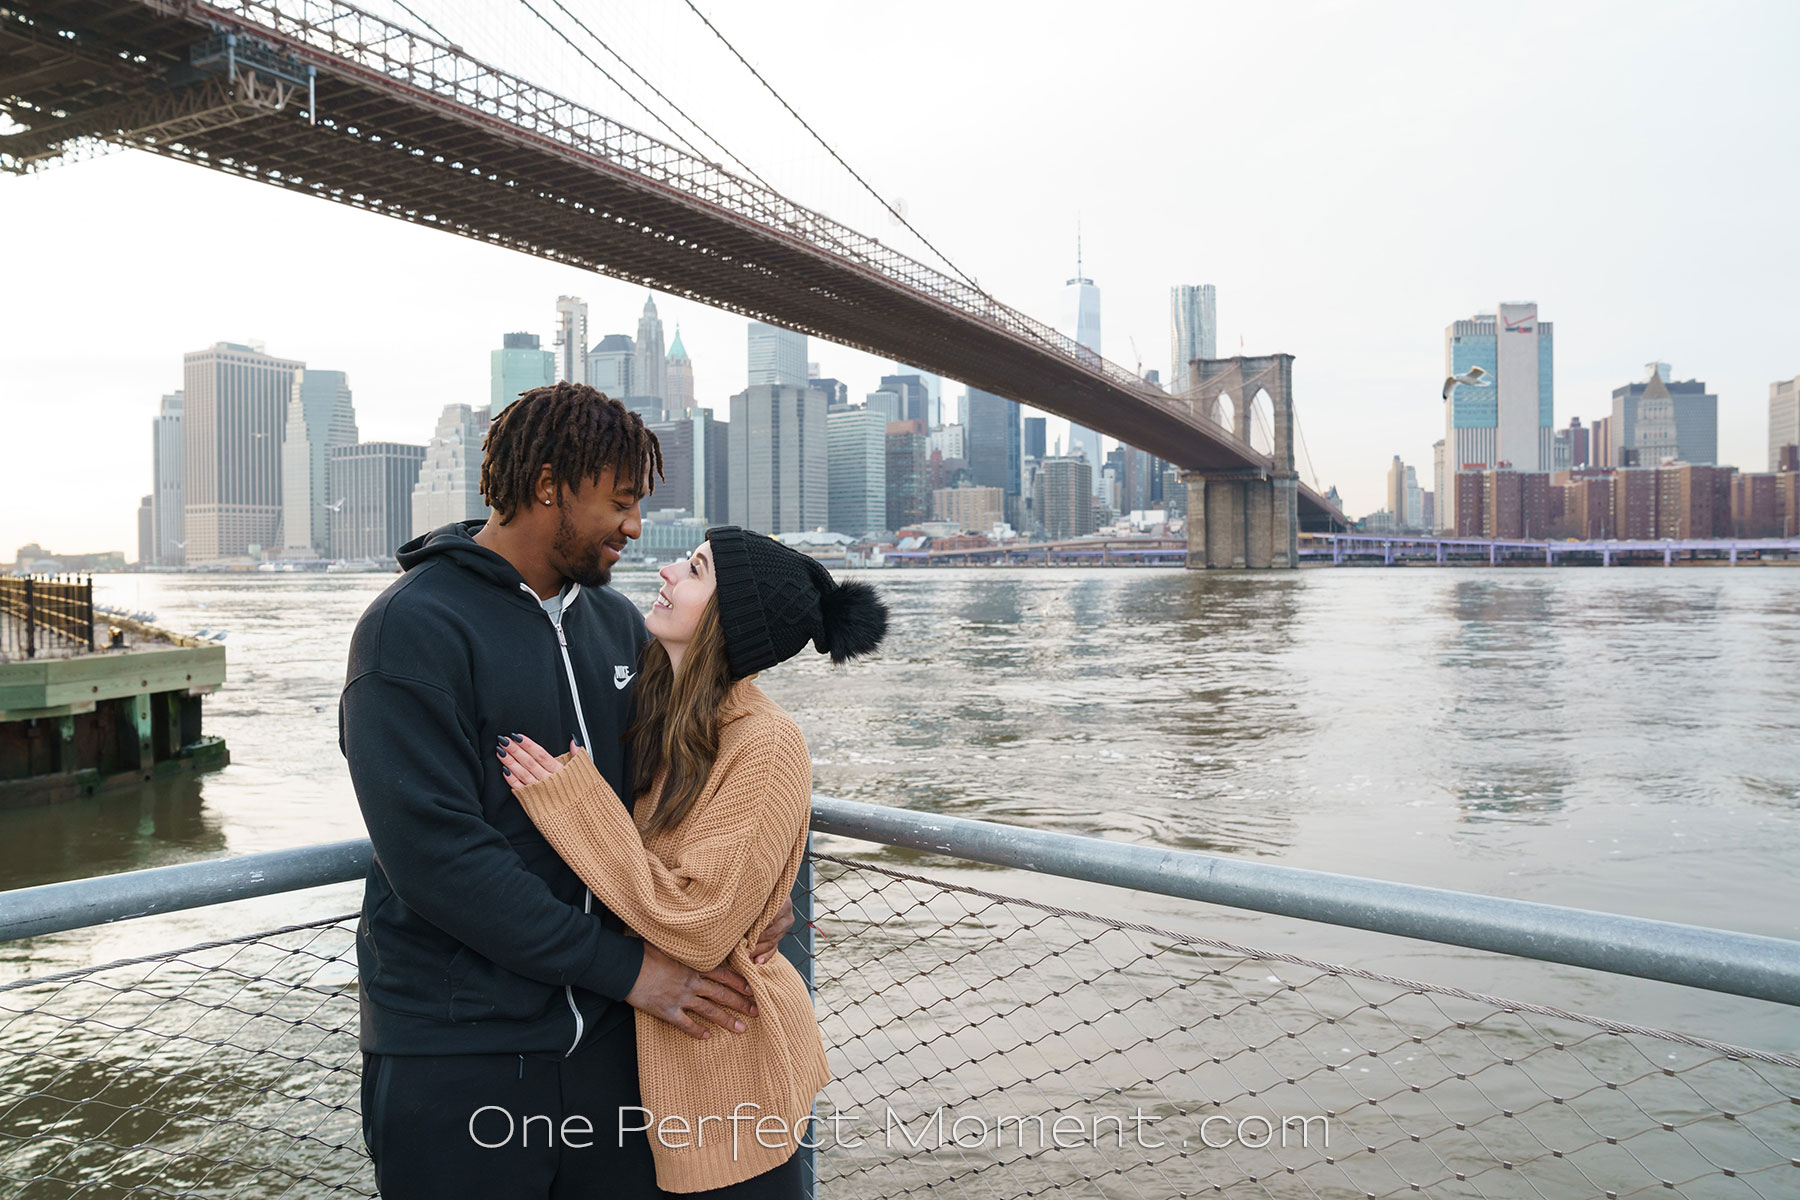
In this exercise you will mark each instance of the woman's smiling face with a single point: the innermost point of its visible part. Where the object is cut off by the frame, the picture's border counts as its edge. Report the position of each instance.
(687, 587)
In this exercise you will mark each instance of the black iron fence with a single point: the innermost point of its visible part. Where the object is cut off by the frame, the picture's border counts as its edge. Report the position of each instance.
(42, 612)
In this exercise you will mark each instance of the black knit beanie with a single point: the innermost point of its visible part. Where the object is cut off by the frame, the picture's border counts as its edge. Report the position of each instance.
(773, 600)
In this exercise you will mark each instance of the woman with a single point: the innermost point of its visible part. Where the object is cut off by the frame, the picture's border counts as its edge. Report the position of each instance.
(708, 851)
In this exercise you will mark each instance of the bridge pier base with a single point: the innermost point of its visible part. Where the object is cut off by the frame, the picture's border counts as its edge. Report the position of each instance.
(1242, 521)
(1246, 518)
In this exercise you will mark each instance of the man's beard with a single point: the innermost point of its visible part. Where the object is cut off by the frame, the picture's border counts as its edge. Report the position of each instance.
(581, 563)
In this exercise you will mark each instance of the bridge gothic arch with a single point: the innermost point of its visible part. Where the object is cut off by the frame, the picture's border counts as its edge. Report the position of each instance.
(1246, 518)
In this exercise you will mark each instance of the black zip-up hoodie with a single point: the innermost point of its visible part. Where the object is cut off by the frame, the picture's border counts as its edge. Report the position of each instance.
(475, 937)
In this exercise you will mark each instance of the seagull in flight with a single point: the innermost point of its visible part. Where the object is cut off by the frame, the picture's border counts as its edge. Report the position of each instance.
(1472, 378)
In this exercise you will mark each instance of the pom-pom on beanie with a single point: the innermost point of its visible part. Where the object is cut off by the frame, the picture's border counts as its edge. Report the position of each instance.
(773, 600)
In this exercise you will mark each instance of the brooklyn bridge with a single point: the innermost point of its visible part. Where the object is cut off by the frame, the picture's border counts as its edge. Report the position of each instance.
(325, 99)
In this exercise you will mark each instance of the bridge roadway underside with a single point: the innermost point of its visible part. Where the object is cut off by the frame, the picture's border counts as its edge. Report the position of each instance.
(398, 149)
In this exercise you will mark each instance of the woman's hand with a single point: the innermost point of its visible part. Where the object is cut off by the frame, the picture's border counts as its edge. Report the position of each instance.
(524, 762)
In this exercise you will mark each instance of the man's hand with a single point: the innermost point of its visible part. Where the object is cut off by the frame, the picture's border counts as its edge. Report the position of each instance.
(679, 995)
(778, 929)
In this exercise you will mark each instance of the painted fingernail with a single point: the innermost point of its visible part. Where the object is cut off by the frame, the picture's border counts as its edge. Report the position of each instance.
(505, 741)
(506, 769)
(519, 736)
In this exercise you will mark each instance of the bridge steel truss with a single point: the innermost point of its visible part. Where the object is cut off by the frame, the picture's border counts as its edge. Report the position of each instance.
(411, 128)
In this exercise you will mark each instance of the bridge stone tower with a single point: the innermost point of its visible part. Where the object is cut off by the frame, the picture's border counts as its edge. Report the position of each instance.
(1245, 517)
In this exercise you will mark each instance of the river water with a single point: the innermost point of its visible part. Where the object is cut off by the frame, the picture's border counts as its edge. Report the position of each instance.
(1622, 740)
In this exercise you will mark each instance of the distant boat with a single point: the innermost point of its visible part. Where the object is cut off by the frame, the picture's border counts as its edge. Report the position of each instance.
(360, 566)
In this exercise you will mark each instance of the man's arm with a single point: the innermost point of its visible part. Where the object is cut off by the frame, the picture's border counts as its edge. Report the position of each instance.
(417, 774)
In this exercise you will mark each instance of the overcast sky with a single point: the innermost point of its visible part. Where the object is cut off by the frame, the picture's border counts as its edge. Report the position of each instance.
(1351, 176)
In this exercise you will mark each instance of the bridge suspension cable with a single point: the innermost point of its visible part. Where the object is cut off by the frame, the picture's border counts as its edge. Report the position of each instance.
(879, 198)
(1312, 470)
(639, 75)
(613, 79)
(420, 18)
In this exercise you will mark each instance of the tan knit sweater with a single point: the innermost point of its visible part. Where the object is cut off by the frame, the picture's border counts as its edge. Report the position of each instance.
(701, 893)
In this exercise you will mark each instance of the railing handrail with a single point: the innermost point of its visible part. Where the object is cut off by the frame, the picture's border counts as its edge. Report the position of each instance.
(1717, 960)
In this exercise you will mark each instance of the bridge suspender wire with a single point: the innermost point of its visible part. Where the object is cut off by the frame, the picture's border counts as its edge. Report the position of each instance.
(879, 199)
(612, 79)
(720, 146)
(441, 36)
(1312, 469)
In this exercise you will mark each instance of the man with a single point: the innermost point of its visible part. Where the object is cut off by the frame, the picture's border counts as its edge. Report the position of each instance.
(497, 1033)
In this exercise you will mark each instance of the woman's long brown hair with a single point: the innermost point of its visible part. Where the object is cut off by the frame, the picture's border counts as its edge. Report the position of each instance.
(676, 720)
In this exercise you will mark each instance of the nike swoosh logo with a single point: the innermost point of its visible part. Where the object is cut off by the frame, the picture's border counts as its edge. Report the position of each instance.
(623, 676)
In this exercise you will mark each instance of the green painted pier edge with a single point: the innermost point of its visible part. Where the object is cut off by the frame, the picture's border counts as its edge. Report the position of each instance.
(74, 726)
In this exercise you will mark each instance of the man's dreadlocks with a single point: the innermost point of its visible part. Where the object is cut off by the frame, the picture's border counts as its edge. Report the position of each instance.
(579, 431)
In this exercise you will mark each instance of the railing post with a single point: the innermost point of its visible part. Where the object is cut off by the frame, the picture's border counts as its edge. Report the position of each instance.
(798, 947)
(30, 619)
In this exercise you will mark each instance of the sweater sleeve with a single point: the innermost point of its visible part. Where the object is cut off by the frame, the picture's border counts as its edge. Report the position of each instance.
(701, 902)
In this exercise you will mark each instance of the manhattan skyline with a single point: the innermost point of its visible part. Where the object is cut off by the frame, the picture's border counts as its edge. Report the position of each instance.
(1647, 225)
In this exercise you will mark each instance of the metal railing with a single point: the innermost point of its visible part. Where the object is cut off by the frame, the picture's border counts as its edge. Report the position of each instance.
(982, 1043)
(42, 612)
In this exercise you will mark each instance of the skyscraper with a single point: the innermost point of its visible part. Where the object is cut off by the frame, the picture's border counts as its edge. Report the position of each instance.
(609, 365)
(1137, 480)
(780, 459)
(571, 339)
(858, 472)
(682, 473)
(1579, 452)
(1784, 418)
(1035, 445)
(449, 483)
(1193, 329)
(908, 486)
(320, 418)
(837, 392)
(995, 442)
(1663, 418)
(1437, 485)
(915, 397)
(777, 356)
(168, 532)
(934, 387)
(1396, 492)
(375, 481)
(146, 531)
(518, 366)
(1081, 321)
(949, 441)
(887, 401)
(234, 406)
(649, 368)
(1508, 421)
(696, 453)
(1065, 497)
(678, 395)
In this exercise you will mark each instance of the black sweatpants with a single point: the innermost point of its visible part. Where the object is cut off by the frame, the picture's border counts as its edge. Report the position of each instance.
(524, 1127)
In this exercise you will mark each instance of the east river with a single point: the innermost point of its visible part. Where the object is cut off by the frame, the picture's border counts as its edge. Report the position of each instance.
(1625, 740)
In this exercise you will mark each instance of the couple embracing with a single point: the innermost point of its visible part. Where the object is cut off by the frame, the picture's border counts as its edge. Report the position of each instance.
(586, 824)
